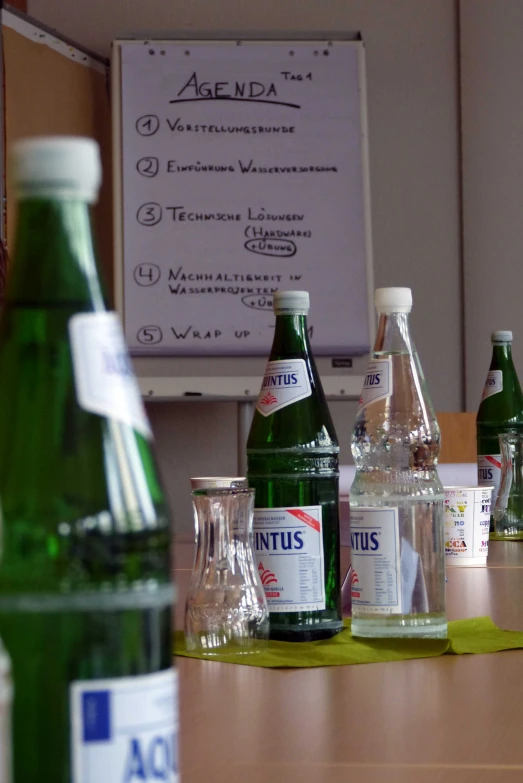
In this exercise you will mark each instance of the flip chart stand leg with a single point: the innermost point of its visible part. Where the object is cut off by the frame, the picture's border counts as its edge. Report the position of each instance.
(245, 414)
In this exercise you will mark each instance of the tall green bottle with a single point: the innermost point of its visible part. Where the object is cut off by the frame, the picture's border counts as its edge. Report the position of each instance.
(85, 587)
(292, 463)
(500, 410)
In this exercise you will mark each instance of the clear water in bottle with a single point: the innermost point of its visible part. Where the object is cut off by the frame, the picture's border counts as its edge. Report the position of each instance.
(397, 500)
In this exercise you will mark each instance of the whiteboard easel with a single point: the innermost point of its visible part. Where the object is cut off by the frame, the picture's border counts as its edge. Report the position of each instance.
(202, 372)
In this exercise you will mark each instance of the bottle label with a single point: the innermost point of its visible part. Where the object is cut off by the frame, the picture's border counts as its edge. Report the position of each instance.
(288, 544)
(284, 383)
(378, 381)
(104, 377)
(125, 729)
(376, 560)
(467, 521)
(493, 384)
(489, 473)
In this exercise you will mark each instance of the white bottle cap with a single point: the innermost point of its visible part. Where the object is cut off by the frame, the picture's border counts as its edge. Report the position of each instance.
(219, 482)
(501, 337)
(393, 300)
(291, 302)
(58, 166)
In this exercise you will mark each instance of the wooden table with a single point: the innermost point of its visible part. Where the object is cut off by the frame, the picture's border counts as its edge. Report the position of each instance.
(438, 720)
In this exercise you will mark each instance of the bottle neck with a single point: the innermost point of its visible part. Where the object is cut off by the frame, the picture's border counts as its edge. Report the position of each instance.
(54, 260)
(290, 336)
(501, 356)
(393, 335)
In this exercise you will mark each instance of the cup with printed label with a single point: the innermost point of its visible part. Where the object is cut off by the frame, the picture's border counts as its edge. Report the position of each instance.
(467, 521)
(226, 609)
(508, 509)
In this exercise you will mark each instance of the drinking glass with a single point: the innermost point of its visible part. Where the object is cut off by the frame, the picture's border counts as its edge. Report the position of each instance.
(508, 510)
(226, 608)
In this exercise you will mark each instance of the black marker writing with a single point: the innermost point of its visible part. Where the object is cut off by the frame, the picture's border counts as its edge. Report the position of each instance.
(296, 77)
(189, 127)
(261, 214)
(251, 232)
(222, 277)
(252, 168)
(196, 334)
(180, 214)
(182, 168)
(181, 290)
(252, 91)
(285, 248)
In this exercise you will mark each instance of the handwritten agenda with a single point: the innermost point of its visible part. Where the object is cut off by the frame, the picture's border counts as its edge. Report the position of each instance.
(242, 174)
(197, 90)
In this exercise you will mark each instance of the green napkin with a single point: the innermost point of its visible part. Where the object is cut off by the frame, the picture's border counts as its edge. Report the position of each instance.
(478, 635)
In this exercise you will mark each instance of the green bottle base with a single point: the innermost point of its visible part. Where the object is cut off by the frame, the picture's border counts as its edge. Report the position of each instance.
(305, 634)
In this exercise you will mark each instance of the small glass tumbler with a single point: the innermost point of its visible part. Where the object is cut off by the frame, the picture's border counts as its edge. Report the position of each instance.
(226, 609)
(508, 511)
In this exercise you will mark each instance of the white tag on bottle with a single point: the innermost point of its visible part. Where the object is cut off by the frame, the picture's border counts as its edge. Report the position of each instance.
(376, 560)
(378, 382)
(493, 384)
(288, 543)
(104, 378)
(125, 729)
(489, 473)
(284, 383)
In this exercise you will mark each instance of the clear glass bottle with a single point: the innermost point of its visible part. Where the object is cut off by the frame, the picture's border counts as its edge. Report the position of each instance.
(292, 463)
(500, 411)
(397, 500)
(85, 586)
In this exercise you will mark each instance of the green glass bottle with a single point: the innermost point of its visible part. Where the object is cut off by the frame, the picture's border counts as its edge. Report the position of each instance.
(85, 586)
(292, 463)
(500, 410)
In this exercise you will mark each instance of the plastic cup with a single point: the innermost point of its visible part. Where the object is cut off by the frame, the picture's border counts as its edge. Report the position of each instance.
(467, 522)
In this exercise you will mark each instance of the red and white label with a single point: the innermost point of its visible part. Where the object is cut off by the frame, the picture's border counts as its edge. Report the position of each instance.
(284, 383)
(288, 543)
(493, 384)
(489, 473)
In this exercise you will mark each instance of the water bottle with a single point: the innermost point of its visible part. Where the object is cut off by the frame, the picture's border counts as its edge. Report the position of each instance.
(396, 500)
(85, 587)
(500, 410)
(292, 463)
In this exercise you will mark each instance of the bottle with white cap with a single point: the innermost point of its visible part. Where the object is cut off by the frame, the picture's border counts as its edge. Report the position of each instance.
(292, 459)
(500, 410)
(85, 587)
(397, 501)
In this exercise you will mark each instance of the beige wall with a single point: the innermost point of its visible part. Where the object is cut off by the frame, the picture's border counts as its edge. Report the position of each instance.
(412, 75)
(492, 106)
